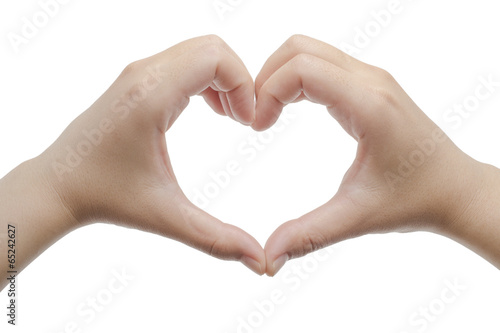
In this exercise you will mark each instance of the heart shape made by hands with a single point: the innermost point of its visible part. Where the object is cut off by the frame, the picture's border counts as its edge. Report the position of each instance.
(129, 180)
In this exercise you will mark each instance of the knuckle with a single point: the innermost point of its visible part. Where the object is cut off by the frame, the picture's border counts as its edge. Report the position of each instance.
(212, 46)
(133, 68)
(386, 76)
(345, 58)
(384, 97)
(302, 60)
(214, 250)
(219, 248)
(310, 239)
(312, 242)
(382, 74)
(212, 40)
(383, 87)
(209, 47)
(296, 42)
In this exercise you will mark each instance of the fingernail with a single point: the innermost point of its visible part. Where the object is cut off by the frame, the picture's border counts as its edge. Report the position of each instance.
(252, 264)
(243, 122)
(279, 263)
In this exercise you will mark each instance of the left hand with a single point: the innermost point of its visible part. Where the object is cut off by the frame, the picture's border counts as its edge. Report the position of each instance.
(407, 174)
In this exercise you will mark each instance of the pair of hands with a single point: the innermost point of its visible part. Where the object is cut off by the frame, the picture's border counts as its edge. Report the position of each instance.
(111, 163)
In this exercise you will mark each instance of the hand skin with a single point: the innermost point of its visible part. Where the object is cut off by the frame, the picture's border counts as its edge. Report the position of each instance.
(445, 191)
(126, 177)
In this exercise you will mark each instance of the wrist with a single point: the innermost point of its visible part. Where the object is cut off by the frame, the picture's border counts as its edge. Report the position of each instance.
(29, 202)
(473, 217)
(48, 197)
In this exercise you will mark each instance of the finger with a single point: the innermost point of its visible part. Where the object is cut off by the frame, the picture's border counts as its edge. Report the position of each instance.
(213, 100)
(218, 101)
(320, 82)
(212, 63)
(179, 219)
(236, 103)
(225, 104)
(333, 222)
(187, 46)
(300, 44)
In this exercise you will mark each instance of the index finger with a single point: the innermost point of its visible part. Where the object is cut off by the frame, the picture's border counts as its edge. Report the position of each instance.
(320, 82)
(299, 44)
(198, 66)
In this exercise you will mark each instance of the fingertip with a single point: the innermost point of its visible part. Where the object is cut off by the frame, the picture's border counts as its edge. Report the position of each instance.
(241, 103)
(259, 124)
(276, 250)
(253, 265)
(246, 118)
(259, 82)
(267, 111)
(253, 114)
(257, 127)
(211, 97)
(253, 255)
(277, 264)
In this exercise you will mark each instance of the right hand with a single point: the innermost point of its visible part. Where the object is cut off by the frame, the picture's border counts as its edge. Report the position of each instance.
(123, 173)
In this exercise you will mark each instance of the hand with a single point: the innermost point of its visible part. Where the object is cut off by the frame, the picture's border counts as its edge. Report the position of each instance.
(111, 164)
(407, 174)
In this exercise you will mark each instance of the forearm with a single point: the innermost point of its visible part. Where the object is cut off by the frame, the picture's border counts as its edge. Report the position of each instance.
(29, 203)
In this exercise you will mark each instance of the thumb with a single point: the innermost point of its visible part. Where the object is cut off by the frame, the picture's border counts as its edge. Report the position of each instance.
(181, 220)
(333, 222)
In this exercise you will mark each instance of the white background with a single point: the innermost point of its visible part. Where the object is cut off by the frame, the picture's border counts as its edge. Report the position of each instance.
(436, 50)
